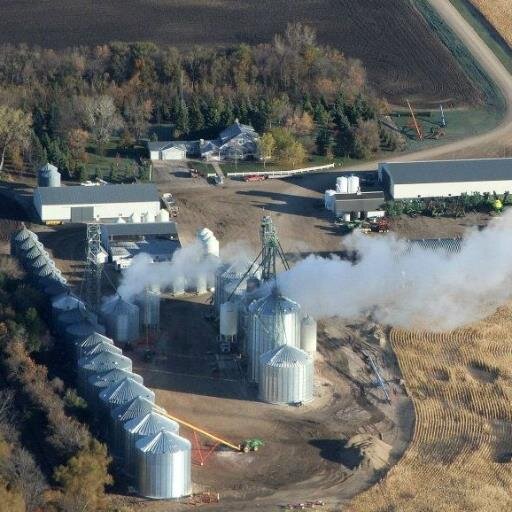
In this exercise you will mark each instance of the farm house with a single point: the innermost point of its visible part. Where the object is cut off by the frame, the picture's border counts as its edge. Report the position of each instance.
(446, 178)
(105, 203)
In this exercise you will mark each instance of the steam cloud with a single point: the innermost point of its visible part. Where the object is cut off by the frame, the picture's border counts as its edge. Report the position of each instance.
(416, 289)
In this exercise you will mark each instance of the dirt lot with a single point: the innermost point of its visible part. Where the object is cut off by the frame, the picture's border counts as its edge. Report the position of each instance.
(388, 36)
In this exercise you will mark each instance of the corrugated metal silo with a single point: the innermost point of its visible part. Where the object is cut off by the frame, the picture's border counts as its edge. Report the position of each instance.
(83, 345)
(48, 176)
(178, 286)
(273, 321)
(308, 330)
(140, 427)
(121, 393)
(64, 303)
(149, 308)
(69, 317)
(81, 330)
(164, 464)
(98, 382)
(286, 376)
(100, 363)
(122, 320)
(102, 347)
(200, 283)
(139, 406)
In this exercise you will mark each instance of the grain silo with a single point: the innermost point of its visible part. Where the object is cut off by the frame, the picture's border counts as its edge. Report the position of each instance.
(286, 376)
(66, 302)
(69, 317)
(57, 288)
(200, 283)
(140, 427)
(209, 243)
(164, 464)
(99, 381)
(100, 363)
(48, 176)
(81, 330)
(122, 320)
(308, 332)
(120, 393)
(138, 407)
(228, 322)
(273, 321)
(82, 345)
(103, 346)
(149, 309)
(178, 286)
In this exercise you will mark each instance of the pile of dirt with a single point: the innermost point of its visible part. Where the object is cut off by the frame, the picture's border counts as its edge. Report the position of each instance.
(375, 453)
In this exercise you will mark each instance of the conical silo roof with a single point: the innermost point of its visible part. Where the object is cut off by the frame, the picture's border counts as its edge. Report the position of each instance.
(163, 442)
(23, 234)
(273, 304)
(41, 261)
(103, 380)
(125, 391)
(71, 316)
(48, 168)
(67, 302)
(104, 362)
(82, 329)
(87, 342)
(29, 245)
(151, 423)
(139, 406)
(103, 346)
(285, 356)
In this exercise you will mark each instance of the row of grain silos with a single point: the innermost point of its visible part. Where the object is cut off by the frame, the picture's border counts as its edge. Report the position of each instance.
(142, 439)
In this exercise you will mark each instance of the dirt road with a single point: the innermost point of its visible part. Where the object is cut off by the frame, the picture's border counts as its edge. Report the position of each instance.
(495, 70)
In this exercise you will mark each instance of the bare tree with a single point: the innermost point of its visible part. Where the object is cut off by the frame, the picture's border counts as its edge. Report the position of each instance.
(101, 118)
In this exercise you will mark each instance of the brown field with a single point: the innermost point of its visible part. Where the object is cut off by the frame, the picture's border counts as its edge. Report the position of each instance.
(460, 457)
(394, 43)
(499, 14)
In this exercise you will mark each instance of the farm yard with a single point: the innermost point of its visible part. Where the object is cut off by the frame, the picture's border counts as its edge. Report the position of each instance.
(395, 44)
(460, 457)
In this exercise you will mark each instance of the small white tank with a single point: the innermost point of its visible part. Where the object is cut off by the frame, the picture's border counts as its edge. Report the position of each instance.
(228, 320)
(346, 217)
(329, 199)
(342, 185)
(308, 330)
(353, 185)
(162, 216)
(178, 286)
(201, 284)
(209, 242)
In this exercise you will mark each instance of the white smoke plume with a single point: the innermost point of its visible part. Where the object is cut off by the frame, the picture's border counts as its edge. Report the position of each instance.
(187, 262)
(416, 289)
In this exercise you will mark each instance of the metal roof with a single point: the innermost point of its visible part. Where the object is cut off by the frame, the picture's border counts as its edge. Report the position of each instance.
(236, 129)
(364, 202)
(103, 380)
(49, 169)
(124, 391)
(151, 423)
(449, 245)
(140, 229)
(93, 339)
(163, 442)
(285, 356)
(102, 194)
(450, 171)
(137, 407)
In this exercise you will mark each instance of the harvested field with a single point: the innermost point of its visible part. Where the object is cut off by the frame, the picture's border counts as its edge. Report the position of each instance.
(390, 37)
(499, 14)
(460, 455)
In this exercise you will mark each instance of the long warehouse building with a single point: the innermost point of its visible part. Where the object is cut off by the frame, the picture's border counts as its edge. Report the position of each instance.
(446, 178)
(104, 203)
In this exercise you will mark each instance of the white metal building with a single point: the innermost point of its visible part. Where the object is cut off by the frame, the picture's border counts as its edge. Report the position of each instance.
(105, 203)
(167, 150)
(445, 178)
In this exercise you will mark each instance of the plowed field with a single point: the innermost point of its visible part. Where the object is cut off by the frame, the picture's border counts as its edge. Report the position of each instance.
(460, 456)
(403, 57)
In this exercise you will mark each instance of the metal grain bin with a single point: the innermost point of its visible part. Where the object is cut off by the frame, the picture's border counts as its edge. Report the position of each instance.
(104, 346)
(121, 393)
(308, 330)
(69, 317)
(48, 176)
(149, 309)
(140, 427)
(56, 288)
(121, 320)
(81, 330)
(64, 303)
(41, 261)
(286, 376)
(164, 465)
(137, 407)
(273, 321)
(100, 363)
(82, 345)
(98, 382)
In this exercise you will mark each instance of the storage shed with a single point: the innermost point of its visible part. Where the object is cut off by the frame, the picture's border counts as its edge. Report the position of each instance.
(445, 178)
(104, 203)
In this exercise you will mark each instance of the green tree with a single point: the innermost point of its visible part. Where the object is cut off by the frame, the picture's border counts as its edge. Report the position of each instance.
(289, 151)
(84, 478)
(267, 145)
(15, 130)
(366, 139)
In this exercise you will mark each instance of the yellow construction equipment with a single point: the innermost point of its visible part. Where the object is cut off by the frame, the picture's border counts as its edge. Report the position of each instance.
(219, 440)
(416, 124)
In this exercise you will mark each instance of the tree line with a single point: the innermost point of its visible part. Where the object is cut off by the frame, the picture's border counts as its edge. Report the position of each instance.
(49, 460)
(57, 102)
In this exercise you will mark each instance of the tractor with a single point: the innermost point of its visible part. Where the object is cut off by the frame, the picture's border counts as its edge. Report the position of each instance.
(252, 445)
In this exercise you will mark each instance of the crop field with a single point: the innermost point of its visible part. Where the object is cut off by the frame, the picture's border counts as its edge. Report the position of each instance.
(460, 455)
(499, 14)
(399, 50)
